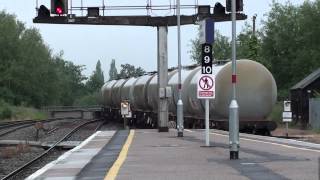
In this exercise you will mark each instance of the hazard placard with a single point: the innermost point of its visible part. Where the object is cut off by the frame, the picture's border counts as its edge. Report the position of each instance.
(206, 87)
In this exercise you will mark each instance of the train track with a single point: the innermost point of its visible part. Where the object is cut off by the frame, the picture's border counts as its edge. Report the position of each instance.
(10, 127)
(47, 152)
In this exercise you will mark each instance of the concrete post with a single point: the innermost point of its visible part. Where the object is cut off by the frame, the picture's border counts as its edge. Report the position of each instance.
(162, 78)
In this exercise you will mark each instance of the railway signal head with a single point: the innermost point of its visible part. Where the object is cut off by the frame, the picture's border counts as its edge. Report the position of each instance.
(43, 11)
(239, 5)
(59, 7)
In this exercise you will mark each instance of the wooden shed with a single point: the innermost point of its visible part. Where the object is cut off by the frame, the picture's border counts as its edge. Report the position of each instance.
(300, 94)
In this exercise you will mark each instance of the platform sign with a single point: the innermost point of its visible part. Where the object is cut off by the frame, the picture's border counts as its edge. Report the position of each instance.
(125, 109)
(206, 87)
(206, 31)
(287, 116)
(206, 81)
(206, 61)
(286, 106)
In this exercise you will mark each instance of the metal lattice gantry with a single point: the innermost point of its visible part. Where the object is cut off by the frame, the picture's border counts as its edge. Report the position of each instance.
(140, 13)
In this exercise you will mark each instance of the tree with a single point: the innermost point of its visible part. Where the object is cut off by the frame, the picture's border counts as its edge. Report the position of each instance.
(96, 80)
(128, 70)
(10, 31)
(291, 41)
(248, 44)
(221, 48)
(71, 79)
(29, 73)
(113, 70)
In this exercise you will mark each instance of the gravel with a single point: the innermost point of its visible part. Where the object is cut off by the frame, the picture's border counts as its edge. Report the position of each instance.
(51, 157)
(29, 133)
(11, 159)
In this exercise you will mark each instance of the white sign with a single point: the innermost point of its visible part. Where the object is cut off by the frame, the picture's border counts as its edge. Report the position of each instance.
(125, 109)
(287, 106)
(206, 87)
(287, 116)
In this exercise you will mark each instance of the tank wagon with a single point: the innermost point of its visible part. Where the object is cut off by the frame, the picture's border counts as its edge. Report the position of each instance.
(256, 93)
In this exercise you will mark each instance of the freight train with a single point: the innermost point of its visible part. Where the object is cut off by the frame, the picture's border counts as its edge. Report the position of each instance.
(256, 95)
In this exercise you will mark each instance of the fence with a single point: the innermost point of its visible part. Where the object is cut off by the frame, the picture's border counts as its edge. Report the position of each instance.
(82, 112)
(314, 113)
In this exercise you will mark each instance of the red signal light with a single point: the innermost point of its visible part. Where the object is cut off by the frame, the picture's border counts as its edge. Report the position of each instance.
(59, 10)
(59, 7)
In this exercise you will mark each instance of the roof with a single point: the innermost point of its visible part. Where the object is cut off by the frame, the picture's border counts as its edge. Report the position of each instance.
(308, 80)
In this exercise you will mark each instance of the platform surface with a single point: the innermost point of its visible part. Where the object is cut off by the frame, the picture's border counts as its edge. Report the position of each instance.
(71, 163)
(151, 155)
(163, 156)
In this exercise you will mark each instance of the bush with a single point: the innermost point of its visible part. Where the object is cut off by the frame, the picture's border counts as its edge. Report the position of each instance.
(6, 113)
(5, 110)
(276, 114)
(88, 100)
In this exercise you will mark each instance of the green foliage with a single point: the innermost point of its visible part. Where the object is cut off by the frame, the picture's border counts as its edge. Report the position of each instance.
(5, 110)
(315, 130)
(6, 113)
(96, 80)
(276, 114)
(249, 44)
(221, 48)
(21, 112)
(113, 70)
(128, 71)
(29, 73)
(9, 112)
(287, 44)
(69, 76)
(88, 100)
(291, 41)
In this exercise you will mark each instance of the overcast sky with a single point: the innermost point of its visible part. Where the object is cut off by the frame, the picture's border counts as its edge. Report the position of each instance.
(84, 44)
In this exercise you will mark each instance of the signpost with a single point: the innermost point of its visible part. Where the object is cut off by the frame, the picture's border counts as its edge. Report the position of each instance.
(206, 82)
(126, 113)
(287, 115)
(206, 87)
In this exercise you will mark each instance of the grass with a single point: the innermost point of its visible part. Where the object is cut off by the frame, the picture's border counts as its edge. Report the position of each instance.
(276, 113)
(316, 130)
(8, 112)
(21, 113)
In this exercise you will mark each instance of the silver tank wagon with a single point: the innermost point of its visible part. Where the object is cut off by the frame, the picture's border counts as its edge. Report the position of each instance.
(256, 94)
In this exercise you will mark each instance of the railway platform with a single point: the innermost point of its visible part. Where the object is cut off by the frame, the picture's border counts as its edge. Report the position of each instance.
(146, 154)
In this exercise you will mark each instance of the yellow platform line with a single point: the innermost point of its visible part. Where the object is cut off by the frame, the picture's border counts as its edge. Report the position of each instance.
(114, 170)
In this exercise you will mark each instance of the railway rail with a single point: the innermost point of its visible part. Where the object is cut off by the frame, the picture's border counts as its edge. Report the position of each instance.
(47, 152)
(10, 127)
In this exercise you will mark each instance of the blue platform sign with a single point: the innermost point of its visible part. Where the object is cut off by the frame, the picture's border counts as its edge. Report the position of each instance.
(206, 31)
